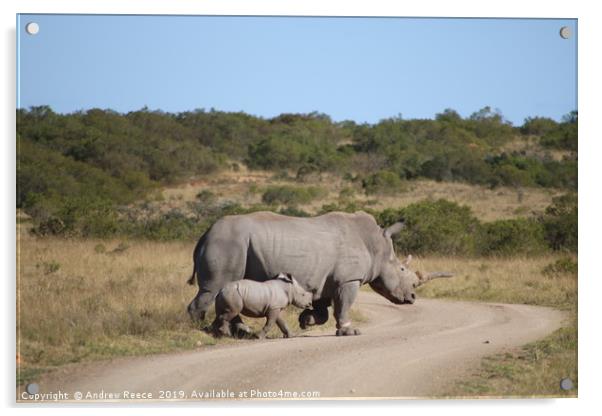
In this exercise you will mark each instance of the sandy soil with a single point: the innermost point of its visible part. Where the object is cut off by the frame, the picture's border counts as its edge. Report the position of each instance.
(403, 352)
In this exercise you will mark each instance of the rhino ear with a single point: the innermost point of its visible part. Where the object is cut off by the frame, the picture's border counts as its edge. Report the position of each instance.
(407, 261)
(287, 277)
(394, 229)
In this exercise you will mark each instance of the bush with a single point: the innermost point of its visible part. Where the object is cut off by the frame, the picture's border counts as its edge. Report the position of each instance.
(564, 136)
(514, 236)
(50, 267)
(560, 223)
(293, 212)
(293, 148)
(77, 216)
(446, 228)
(48, 226)
(349, 206)
(172, 225)
(383, 182)
(538, 126)
(440, 226)
(291, 195)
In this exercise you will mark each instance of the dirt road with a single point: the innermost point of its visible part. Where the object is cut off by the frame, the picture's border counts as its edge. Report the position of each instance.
(404, 351)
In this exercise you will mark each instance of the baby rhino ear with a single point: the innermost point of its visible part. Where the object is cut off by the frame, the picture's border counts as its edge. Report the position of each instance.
(287, 277)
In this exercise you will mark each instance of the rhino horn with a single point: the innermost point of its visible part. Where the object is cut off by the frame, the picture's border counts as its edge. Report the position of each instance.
(430, 276)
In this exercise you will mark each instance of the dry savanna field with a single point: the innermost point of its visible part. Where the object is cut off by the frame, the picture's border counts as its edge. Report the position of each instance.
(246, 186)
(82, 300)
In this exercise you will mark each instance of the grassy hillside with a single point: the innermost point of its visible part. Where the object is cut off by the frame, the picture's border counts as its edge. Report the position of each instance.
(77, 173)
(246, 188)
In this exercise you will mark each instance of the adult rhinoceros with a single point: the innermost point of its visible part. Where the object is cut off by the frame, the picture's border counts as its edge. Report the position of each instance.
(331, 256)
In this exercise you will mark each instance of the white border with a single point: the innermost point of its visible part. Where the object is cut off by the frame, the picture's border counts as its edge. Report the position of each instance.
(589, 152)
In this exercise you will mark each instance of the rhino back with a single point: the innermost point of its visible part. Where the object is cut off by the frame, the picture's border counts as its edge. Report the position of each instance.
(259, 297)
(319, 251)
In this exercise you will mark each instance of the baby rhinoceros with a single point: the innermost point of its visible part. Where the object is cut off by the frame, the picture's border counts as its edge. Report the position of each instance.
(257, 300)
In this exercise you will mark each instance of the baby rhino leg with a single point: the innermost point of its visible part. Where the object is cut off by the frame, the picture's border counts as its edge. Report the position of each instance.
(238, 328)
(227, 308)
(283, 327)
(221, 324)
(272, 317)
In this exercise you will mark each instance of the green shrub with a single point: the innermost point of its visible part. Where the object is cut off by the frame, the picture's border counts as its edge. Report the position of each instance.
(560, 223)
(48, 226)
(291, 195)
(564, 136)
(172, 225)
(440, 226)
(383, 182)
(83, 216)
(293, 148)
(293, 212)
(350, 206)
(513, 236)
(538, 126)
(50, 266)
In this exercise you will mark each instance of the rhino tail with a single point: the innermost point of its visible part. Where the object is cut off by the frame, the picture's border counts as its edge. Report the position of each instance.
(195, 256)
(192, 278)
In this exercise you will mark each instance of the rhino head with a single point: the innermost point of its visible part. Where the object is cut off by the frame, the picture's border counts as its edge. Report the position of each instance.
(298, 296)
(396, 281)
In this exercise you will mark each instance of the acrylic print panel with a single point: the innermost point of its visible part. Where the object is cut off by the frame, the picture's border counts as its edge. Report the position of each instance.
(414, 180)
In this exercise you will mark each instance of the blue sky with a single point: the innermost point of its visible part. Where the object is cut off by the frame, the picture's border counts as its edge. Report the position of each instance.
(361, 69)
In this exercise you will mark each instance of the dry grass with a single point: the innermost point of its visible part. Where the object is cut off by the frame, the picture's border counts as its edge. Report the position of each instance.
(537, 368)
(530, 146)
(515, 280)
(245, 187)
(534, 370)
(486, 204)
(82, 300)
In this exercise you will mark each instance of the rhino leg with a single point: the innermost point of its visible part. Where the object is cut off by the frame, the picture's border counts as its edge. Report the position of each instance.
(239, 328)
(283, 327)
(273, 315)
(343, 299)
(221, 328)
(221, 324)
(316, 316)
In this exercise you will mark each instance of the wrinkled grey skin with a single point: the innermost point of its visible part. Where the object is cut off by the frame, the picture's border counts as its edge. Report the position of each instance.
(259, 299)
(331, 256)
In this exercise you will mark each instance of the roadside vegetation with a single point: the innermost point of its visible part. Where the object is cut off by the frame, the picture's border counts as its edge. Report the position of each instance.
(545, 280)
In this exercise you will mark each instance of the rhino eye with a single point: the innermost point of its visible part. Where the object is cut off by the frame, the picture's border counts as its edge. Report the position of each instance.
(403, 270)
